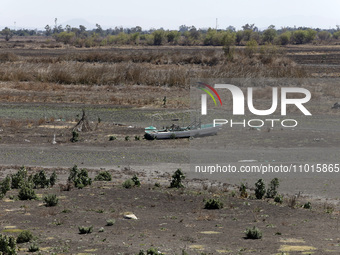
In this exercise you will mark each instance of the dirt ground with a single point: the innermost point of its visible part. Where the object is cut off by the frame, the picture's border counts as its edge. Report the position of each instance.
(171, 220)
(33, 113)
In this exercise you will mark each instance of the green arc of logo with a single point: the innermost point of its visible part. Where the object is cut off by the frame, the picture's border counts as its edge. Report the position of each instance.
(208, 92)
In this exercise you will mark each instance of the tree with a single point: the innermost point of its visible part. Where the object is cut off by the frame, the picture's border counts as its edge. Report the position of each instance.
(269, 34)
(65, 37)
(251, 27)
(299, 36)
(231, 29)
(7, 33)
(184, 28)
(48, 30)
(158, 36)
(324, 35)
(99, 29)
(284, 38)
(172, 36)
(311, 34)
(68, 28)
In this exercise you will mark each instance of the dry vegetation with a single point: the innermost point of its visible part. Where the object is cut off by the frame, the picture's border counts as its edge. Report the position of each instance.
(58, 75)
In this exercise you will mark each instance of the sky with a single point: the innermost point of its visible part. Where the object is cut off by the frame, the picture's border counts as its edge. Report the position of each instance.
(169, 14)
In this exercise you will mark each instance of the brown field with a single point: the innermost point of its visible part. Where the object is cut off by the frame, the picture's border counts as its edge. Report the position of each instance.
(45, 85)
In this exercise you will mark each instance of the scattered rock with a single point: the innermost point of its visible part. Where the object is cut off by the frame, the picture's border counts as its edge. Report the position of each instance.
(130, 216)
(336, 106)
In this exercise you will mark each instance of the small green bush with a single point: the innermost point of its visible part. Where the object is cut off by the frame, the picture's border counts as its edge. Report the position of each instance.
(7, 245)
(33, 248)
(151, 251)
(19, 178)
(307, 205)
(75, 137)
(128, 184)
(85, 230)
(251, 48)
(127, 138)
(103, 176)
(40, 180)
(136, 181)
(79, 178)
(27, 192)
(177, 179)
(110, 222)
(212, 204)
(243, 191)
(112, 138)
(278, 199)
(260, 189)
(137, 137)
(53, 178)
(24, 237)
(253, 233)
(51, 200)
(6, 185)
(273, 186)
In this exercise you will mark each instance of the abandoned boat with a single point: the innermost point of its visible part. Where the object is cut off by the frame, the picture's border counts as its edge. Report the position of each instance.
(193, 130)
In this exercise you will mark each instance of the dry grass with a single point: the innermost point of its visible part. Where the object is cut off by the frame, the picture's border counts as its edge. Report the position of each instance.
(122, 76)
(170, 68)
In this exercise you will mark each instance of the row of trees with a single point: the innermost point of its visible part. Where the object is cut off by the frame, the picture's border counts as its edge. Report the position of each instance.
(186, 35)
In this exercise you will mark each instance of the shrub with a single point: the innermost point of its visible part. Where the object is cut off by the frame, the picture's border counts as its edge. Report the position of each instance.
(6, 185)
(307, 205)
(324, 35)
(75, 137)
(103, 176)
(51, 200)
(158, 37)
(33, 248)
(127, 138)
(19, 178)
(269, 35)
(151, 251)
(292, 201)
(7, 245)
(336, 35)
(27, 192)
(110, 222)
(251, 48)
(253, 233)
(53, 178)
(128, 184)
(284, 38)
(213, 204)
(177, 179)
(111, 138)
(40, 180)
(273, 186)
(137, 137)
(260, 189)
(79, 178)
(136, 181)
(278, 199)
(24, 237)
(243, 191)
(85, 230)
